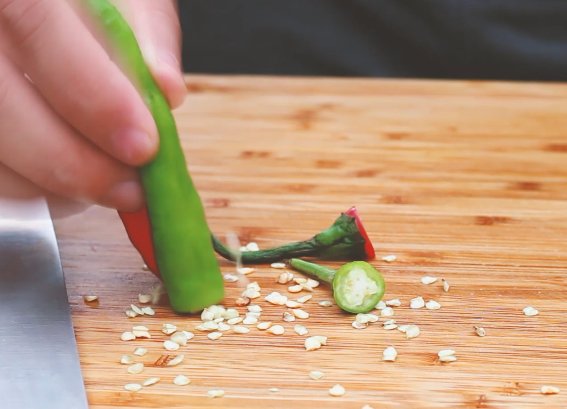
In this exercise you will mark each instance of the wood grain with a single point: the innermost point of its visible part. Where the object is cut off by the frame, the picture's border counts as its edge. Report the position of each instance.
(460, 180)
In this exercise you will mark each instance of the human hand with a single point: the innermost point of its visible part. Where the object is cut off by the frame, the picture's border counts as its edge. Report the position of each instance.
(77, 127)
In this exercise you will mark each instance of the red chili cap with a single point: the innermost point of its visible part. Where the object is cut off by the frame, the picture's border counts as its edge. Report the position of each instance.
(368, 247)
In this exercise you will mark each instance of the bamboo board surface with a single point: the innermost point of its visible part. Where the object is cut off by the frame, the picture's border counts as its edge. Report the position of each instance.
(460, 180)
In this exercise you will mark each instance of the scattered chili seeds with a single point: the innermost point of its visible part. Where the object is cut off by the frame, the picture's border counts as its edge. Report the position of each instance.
(230, 313)
(250, 320)
(181, 380)
(295, 289)
(549, 390)
(432, 305)
(312, 283)
(169, 329)
(254, 308)
(90, 298)
(389, 258)
(480, 331)
(304, 299)
(245, 270)
(285, 277)
(337, 390)
(137, 310)
(380, 306)
(176, 361)
(131, 314)
(288, 317)
(276, 330)
(412, 331)
(144, 298)
(150, 381)
(389, 354)
(242, 301)
(390, 326)
(127, 336)
(252, 246)
(325, 303)
(214, 335)
(264, 325)
(276, 298)
(170, 345)
(299, 313)
(179, 338)
(359, 325)
(127, 360)
(417, 303)
(141, 334)
(445, 285)
(300, 329)
(394, 303)
(148, 311)
(313, 343)
(403, 328)
(239, 329)
(292, 304)
(428, 280)
(136, 368)
(387, 312)
(530, 311)
(215, 393)
(132, 387)
(316, 375)
(277, 265)
(140, 351)
(230, 278)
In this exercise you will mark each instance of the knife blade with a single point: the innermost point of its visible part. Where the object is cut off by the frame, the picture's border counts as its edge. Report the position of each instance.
(39, 361)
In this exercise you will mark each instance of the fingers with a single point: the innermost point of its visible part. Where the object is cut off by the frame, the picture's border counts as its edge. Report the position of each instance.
(158, 32)
(37, 144)
(72, 71)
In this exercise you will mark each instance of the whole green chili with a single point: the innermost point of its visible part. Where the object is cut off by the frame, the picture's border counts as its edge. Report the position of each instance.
(184, 255)
(357, 286)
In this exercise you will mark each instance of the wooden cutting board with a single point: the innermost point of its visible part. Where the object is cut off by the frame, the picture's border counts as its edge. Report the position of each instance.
(464, 181)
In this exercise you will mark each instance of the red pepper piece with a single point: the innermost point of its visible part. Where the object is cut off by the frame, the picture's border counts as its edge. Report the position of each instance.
(139, 232)
(368, 247)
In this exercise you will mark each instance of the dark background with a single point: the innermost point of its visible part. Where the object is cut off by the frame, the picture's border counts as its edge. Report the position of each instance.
(472, 39)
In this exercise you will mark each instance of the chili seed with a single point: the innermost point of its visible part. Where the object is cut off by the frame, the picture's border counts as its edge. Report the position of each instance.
(254, 308)
(276, 330)
(181, 380)
(299, 313)
(230, 278)
(549, 390)
(176, 361)
(412, 331)
(273, 390)
(304, 299)
(312, 283)
(300, 329)
(288, 317)
(245, 270)
(389, 354)
(445, 352)
(170, 345)
(449, 358)
(380, 306)
(140, 328)
(214, 335)
(141, 334)
(337, 390)
(394, 303)
(417, 303)
(252, 246)
(292, 304)
(179, 338)
(390, 326)
(316, 375)
(432, 305)
(90, 298)
(359, 325)
(445, 285)
(132, 387)
(223, 326)
(277, 265)
(299, 280)
(250, 320)
(127, 336)
(428, 280)
(215, 393)
(530, 311)
(239, 329)
(131, 314)
(148, 311)
(403, 328)
(230, 313)
(235, 320)
(136, 368)
(150, 381)
(144, 298)
(389, 258)
(242, 301)
(285, 277)
(295, 289)
(325, 303)
(480, 331)
(137, 310)
(387, 312)
(264, 325)
(168, 329)
(140, 351)
(127, 360)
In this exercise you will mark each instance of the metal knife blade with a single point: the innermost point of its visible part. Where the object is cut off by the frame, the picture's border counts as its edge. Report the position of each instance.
(39, 362)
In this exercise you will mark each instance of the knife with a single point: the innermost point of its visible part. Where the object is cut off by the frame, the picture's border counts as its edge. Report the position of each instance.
(39, 361)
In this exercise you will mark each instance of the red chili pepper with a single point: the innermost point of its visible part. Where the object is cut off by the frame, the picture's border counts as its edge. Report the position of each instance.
(368, 244)
(139, 230)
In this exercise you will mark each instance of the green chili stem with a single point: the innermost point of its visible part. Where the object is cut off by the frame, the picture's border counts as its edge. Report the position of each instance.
(342, 241)
(314, 270)
(181, 237)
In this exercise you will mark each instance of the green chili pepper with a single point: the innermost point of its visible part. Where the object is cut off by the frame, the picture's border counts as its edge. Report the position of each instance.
(346, 239)
(357, 286)
(181, 239)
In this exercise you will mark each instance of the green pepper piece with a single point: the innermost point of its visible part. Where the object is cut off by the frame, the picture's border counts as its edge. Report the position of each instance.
(357, 286)
(181, 237)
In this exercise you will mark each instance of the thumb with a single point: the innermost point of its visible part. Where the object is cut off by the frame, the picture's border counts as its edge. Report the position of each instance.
(157, 29)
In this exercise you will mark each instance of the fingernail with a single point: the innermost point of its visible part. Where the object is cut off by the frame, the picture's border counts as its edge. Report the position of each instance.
(126, 196)
(133, 147)
(177, 91)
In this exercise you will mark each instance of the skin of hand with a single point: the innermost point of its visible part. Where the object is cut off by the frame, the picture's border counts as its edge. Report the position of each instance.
(72, 126)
